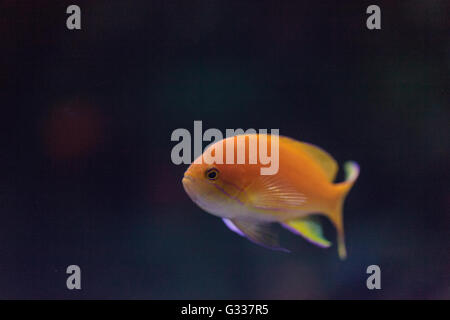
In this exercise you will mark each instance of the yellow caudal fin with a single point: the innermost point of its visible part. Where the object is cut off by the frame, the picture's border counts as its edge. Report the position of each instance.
(335, 214)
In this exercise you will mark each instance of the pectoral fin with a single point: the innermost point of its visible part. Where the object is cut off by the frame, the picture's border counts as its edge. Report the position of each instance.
(310, 229)
(272, 193)
(259, 233)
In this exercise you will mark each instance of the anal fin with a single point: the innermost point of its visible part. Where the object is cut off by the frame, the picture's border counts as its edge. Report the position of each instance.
(310, 229)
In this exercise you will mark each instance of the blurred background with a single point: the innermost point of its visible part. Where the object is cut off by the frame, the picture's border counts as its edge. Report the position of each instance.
(86, 118)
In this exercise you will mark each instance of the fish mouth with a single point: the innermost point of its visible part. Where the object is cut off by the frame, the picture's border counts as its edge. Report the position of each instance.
(187, 185)
(187, 178)
(187, 181)
(194, 191)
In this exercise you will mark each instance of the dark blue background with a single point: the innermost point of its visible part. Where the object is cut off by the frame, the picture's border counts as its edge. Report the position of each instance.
(86, 117)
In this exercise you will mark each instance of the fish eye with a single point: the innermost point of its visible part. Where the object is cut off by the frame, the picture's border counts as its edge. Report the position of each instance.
(212, 174)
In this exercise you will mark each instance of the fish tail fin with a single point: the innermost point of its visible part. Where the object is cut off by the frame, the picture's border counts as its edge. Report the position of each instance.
(336, 213)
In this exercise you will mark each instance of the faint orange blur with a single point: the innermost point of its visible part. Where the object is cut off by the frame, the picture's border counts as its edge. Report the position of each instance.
(73, 129)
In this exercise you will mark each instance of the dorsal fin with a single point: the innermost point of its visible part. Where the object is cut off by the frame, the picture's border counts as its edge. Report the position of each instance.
(323, 158)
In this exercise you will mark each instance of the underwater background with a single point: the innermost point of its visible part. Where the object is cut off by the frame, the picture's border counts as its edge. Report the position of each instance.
(86, 118)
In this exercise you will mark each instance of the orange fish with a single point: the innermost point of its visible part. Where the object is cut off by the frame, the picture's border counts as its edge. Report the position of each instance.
(249, 201)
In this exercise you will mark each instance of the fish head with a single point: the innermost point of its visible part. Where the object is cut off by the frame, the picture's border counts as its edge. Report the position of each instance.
(216, 188)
